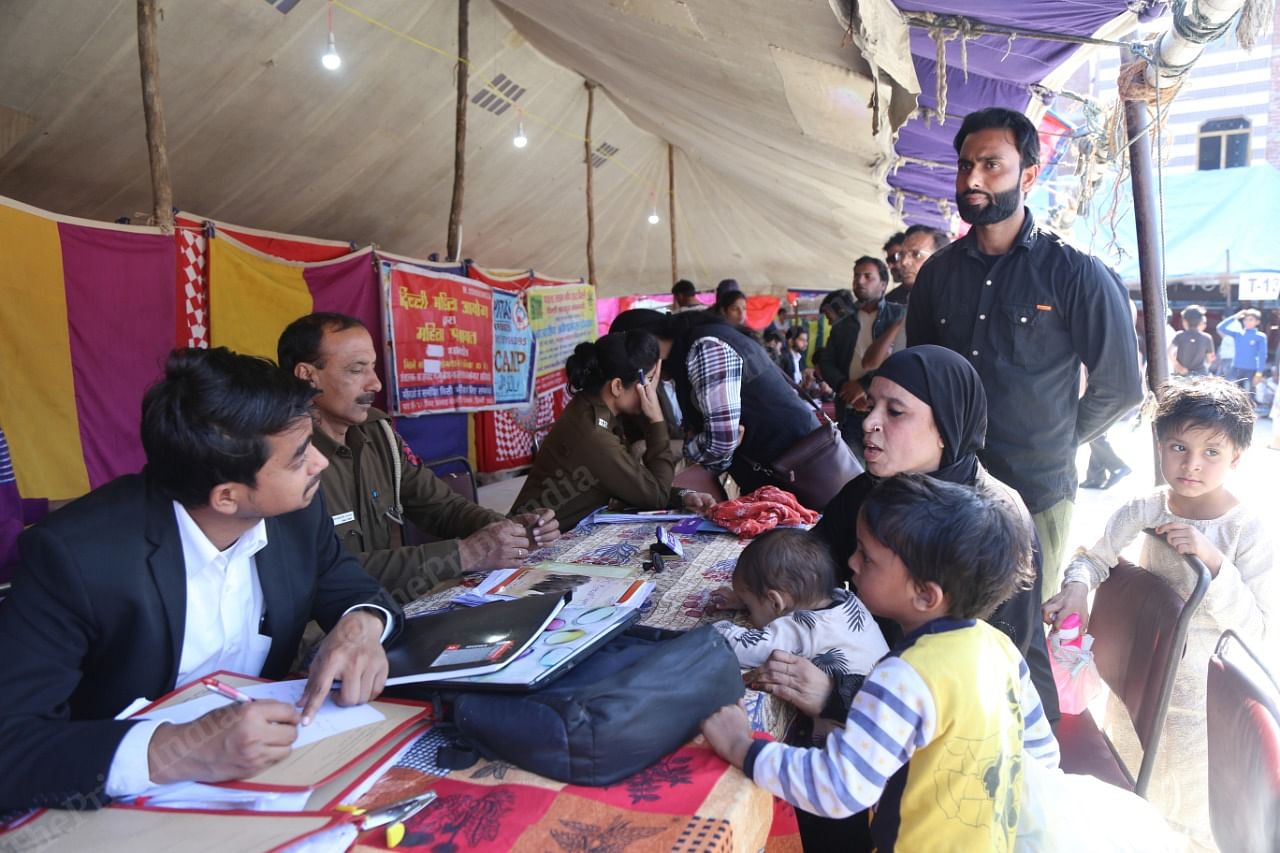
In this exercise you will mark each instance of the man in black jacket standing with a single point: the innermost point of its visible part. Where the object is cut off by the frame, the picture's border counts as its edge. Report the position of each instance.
(1027, 310)
(215, 557)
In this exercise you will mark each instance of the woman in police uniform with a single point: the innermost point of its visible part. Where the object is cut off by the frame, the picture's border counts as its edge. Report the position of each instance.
(584, 462)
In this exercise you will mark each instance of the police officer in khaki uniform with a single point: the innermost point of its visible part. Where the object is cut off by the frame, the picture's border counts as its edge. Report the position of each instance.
(585, 462)
(370, 487)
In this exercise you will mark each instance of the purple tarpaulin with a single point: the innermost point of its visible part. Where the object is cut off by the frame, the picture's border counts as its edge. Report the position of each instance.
(1000, 72)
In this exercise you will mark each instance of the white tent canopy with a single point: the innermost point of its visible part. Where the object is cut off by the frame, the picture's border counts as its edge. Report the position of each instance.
(779, 178)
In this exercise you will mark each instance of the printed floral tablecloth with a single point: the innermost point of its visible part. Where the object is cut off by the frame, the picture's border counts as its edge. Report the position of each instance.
(690, 801)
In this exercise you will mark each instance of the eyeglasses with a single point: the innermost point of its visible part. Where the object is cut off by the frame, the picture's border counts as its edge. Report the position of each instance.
(893, 257)
(917, 254)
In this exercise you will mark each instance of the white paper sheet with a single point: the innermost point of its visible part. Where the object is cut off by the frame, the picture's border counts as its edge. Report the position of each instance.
(330, 720)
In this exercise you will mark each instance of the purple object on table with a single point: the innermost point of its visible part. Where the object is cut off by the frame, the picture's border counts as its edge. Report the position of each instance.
(687, 527)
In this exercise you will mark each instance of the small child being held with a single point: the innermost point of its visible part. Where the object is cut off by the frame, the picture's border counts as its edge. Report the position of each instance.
(1203, 425)
(786, 581)
(941, 729)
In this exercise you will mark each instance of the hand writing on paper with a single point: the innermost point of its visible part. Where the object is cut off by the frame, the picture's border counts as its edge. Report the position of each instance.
(541, 526)
(500, 545)
(729, 733)
(351, 652)
(231, 742)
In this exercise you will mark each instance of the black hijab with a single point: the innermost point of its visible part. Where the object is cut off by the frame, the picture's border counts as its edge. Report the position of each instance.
(947, 383)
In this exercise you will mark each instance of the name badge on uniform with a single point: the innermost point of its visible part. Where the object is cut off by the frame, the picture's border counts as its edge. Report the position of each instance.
(602, 423)
(343, 518)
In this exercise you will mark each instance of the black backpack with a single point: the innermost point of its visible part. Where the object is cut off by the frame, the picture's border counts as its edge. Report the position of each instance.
(637, 698)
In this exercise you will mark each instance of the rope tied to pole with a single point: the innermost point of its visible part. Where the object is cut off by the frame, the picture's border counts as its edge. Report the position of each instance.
(942, 29)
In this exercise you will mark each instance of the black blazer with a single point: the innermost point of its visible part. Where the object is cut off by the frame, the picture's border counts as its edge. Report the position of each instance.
(96, 618)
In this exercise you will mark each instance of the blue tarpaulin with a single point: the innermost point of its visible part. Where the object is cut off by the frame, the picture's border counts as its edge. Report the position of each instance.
(1206, 216)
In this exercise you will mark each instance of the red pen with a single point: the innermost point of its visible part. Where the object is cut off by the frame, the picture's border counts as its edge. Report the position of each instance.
(225, 690)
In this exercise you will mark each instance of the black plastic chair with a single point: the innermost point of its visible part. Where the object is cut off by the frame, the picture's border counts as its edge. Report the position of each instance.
(1139, 626)
(457, 472)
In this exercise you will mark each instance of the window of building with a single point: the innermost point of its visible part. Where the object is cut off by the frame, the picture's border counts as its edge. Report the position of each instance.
(1224, 143)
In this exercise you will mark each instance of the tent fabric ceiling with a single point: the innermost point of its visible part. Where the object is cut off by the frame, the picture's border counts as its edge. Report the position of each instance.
(780, 181)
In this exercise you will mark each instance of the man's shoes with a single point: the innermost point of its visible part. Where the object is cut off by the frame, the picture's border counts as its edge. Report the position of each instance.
(1093, 483)
(1116, 476)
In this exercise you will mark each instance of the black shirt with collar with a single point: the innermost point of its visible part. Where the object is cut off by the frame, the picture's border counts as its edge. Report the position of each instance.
(1026, 325)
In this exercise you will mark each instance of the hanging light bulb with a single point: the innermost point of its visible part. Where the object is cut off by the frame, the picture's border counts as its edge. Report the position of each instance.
(654, 219)
(331, 60)
(521, 140)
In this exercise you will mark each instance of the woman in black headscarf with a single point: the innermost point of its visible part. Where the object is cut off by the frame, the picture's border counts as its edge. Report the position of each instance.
(928, 416)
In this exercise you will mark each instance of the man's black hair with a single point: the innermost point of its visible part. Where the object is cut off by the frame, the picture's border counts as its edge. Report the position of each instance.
(795, 332)
(882, 269)
(1209, 402)
(895, 240)
(795, 562)
(939, 236)
(974, 546)
(839, 301)
(207, 421)
(300, 341)
(684, 287)
(1025, 138)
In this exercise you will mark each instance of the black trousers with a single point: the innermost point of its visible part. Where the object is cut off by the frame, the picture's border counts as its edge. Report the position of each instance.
(1102, 459)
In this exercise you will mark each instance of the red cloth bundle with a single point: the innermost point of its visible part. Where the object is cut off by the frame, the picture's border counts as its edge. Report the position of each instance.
(764, 509)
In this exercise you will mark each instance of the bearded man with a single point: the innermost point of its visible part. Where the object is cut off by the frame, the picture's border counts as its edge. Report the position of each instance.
(1027, 310)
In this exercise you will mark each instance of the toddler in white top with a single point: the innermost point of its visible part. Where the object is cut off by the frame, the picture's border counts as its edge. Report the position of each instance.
(785, 580)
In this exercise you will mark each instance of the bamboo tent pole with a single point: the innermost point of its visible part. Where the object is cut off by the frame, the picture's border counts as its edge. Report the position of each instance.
(671, 208)
(454, 246)
(591, 211)
(153, 113)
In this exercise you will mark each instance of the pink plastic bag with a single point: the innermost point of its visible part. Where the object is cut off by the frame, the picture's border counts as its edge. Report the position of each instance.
(1074, 672)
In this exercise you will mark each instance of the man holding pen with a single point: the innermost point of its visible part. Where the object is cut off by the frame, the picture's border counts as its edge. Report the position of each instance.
(371, 487)
(214, 557)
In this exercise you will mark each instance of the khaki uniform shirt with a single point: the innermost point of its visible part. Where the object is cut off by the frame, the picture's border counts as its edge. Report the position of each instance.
(584, 463)
(360, 496)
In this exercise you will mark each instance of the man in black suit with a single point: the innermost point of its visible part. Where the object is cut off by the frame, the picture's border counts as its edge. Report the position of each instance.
(215, 557)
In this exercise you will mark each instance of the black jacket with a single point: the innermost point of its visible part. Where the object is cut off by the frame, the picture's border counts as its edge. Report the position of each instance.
(1026, 325)
(96, 619)
(833, 365)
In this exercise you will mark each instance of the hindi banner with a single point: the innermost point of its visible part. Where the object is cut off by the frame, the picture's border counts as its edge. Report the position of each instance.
(442, 341)
(563, 316)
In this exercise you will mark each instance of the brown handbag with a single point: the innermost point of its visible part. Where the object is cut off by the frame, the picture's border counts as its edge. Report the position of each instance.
(816, 467)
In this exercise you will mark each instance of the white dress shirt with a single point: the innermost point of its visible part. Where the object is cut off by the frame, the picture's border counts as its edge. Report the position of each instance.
(224, 613)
